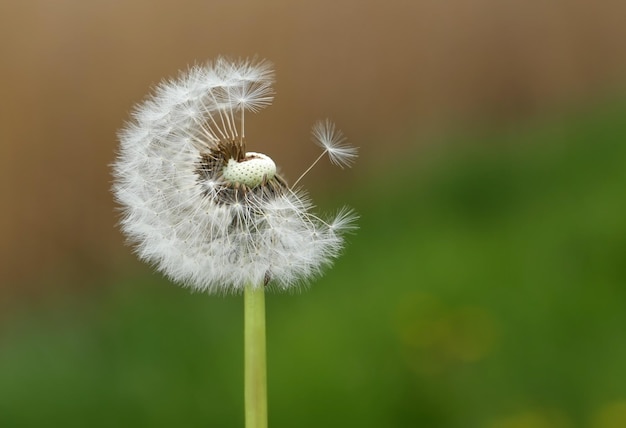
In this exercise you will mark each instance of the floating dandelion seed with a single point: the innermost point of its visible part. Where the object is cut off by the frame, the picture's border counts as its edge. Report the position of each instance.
(203, 210)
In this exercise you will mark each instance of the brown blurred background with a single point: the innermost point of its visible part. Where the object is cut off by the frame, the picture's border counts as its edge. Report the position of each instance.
(71, 71)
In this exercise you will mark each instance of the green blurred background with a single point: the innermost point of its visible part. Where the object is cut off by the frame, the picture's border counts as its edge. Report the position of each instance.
(486, 286)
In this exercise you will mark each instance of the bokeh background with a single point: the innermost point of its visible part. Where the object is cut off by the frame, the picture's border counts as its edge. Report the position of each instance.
(485, 288)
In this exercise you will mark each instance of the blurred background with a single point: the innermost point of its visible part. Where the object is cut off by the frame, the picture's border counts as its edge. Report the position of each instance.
(485, 288)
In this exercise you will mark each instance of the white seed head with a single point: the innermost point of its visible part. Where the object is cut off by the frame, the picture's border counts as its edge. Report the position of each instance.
(202, 209)
(252, 171)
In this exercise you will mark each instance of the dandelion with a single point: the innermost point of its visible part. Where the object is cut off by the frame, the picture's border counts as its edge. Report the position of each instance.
(212, 216)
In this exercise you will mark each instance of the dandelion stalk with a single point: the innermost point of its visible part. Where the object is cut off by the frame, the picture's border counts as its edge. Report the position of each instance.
(255, 372)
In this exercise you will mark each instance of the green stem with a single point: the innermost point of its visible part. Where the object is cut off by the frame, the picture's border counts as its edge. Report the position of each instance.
(255, 374)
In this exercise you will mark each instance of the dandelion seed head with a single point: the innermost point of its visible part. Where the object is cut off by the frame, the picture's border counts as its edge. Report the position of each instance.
(201, 208)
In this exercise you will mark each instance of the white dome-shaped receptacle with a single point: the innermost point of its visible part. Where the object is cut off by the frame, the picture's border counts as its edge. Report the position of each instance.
(251, 172)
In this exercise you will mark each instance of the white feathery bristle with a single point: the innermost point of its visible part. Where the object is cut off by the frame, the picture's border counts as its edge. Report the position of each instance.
(334, 143)
(344, 221)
